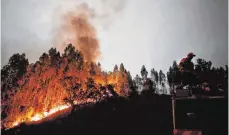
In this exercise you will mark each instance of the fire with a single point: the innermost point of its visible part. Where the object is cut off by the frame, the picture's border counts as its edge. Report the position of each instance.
(15, 124)
(45, 114)
(38, 100)
(73, 77)
(38, 117)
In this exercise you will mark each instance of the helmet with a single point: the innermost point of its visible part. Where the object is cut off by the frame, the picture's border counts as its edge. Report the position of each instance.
(191, 54)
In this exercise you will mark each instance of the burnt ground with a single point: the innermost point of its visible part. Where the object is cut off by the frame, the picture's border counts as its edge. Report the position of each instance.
(139, 115)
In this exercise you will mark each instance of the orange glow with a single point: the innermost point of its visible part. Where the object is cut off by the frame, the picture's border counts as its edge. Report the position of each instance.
(45, 114)
(36, 117)
(44, 92)
(55, 81)
(15, 124)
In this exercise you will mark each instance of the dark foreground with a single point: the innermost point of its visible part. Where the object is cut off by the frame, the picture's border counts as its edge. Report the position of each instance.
(139, 115)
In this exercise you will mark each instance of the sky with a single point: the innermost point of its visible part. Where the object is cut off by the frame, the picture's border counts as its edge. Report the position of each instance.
(153, 33)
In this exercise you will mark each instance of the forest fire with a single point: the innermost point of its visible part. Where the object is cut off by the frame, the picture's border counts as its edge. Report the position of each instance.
(40, 116)
(54, 83)
(57, 81)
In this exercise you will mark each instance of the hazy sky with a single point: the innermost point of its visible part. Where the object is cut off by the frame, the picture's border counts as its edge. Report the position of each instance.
(142, 32)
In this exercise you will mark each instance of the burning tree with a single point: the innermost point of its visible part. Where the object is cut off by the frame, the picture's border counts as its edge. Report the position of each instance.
(56, 82)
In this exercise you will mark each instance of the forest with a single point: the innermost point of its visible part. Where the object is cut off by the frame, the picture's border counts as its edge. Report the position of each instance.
(30, 91)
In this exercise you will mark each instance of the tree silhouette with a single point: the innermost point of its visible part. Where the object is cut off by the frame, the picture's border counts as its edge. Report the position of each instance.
(173, 75)
(161, 77)
(55, 56)
(73, 55)
(44, 58)
(170, 76)
(152, 74)
(203, 66)
(115, 69)
(138, 82)
(131, 84)
(13, 71)
(144, 73)
(148, 85)
(121, 68)
(156, 77)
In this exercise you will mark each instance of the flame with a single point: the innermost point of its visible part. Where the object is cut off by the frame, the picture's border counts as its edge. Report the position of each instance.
(15, 123)
(40, 116)
(45, 86)
(36, 117)
(39, 100)
(45, 114)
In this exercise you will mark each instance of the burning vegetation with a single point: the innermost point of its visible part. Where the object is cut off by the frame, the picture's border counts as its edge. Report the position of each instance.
(56, 82)
(71, 76)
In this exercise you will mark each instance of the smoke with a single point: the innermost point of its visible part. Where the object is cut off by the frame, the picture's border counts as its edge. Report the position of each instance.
(77, 26)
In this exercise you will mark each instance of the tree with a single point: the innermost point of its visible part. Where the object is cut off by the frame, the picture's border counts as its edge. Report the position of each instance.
(176, 74)
(152, 74)
(131, 84)
(170, 76)
(73, 55)
(173, 75)
(71, 87)
(156, 77)
(55, 56)
(44, 58)
(144, 73)
(121, 68)
(115, 69)
(13, 71)
(148, 85)
(161, 77)
(138, 82)
(69, 50)
(203, 66)
(80, 61)
(10, 75)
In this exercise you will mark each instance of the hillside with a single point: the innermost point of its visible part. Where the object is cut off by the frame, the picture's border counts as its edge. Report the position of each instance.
(144, 114)
(109, 101)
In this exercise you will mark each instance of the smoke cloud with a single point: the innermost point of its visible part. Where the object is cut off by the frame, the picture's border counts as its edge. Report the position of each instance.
(77, 27)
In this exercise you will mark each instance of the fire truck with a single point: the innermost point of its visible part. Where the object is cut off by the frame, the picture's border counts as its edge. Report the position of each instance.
(199, 113)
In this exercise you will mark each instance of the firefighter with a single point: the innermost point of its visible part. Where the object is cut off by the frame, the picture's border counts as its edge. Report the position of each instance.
(186, 67)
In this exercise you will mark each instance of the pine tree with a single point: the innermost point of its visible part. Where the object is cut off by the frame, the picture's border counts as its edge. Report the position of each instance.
(144, 73)
(138, 82)
(115, 69)
(121, 68)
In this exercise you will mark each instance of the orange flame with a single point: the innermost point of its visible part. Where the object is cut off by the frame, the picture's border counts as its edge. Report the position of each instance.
(43, 88)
